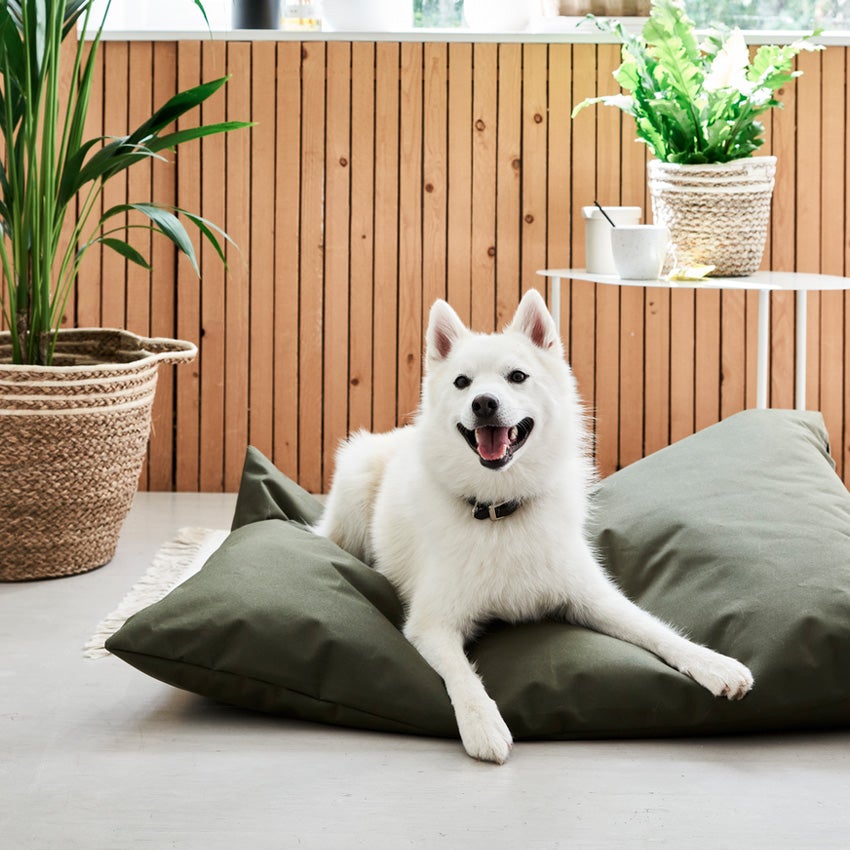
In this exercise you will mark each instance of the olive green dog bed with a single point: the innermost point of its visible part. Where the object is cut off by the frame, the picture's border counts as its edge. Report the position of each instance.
(738, 535)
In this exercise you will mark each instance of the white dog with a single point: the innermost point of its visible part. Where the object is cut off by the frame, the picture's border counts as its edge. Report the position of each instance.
(477, 511)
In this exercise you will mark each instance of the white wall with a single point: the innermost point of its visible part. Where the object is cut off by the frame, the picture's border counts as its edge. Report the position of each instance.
(177, 15)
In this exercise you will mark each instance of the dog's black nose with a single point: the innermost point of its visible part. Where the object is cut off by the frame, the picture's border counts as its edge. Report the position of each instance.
(485, 405)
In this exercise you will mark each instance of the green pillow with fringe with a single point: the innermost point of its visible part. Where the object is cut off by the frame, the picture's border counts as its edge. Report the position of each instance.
(739, 535)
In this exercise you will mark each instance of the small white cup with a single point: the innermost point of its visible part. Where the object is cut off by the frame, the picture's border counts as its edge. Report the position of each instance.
(639, 250)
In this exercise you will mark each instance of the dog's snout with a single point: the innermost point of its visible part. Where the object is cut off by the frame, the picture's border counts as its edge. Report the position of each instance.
(485, 405)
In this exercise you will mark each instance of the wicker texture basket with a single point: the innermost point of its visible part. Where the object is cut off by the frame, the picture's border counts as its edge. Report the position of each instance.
(717, 214)
(72, 440)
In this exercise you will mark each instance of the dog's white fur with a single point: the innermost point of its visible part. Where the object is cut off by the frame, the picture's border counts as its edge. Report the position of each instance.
(400, 500)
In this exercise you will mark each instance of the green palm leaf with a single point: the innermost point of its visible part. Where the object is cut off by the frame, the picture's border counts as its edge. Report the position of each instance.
(125, 250)
(163, 220)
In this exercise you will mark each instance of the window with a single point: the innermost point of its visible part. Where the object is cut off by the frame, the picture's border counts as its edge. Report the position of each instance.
(801, 15)
(772, 14)
(437, 13)
(747, 14)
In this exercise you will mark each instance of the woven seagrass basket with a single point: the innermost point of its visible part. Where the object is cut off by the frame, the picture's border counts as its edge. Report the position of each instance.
(72, 440)
(717, 214)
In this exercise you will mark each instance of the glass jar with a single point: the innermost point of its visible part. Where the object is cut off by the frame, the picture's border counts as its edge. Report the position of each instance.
(303, 15)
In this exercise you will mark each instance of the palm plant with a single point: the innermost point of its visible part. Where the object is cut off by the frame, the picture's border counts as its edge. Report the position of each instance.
(50, 172)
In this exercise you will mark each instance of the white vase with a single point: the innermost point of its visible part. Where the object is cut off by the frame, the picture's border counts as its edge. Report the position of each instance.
(367, 15)
(497, 15)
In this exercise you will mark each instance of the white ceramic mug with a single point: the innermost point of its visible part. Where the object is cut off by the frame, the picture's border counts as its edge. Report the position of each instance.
(639, 250)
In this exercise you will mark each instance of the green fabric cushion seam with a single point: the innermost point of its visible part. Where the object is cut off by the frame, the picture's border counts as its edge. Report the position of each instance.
(125, 654)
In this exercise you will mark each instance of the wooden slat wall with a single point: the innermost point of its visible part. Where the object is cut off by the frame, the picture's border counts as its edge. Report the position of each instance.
(381, 176)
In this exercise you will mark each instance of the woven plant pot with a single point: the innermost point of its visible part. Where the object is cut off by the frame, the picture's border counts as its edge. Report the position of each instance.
(718, 214)
(72, 440)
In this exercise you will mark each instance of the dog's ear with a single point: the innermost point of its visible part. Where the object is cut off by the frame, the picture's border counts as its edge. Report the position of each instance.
(444, 330)
(533, 318)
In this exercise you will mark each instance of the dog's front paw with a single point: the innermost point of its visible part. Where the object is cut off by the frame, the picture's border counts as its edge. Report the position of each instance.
(723, 676)
(484, 733)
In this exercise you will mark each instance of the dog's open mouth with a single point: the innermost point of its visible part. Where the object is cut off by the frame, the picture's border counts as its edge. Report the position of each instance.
(495, 445)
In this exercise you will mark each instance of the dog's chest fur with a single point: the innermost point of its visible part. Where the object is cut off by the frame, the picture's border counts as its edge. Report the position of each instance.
(510, 569)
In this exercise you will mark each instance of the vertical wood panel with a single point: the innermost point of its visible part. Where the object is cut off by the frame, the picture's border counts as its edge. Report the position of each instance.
(216, 323)
(459, 243)
(783, 250)
(237, 328)
(485, 60)
(435, 175)
(832, 191)
(682, 359)
(188, 159)
(508, 181)
(631, 421)
(139, 187)
(807, 207)
(362, 234)
(656, 378)
(630, 428)
(310, 366)
(752, 298)
(534, 140)
(410, 233)
(336, 275)
(163, 317)
(113, 310)
(841, 441)
(559, 211)
(584, 166)
(386, 233)
(260, 215)
(707, 365)
(138, 318)
(733, 355)
(287, 238)
(381, 176)
(832, 215)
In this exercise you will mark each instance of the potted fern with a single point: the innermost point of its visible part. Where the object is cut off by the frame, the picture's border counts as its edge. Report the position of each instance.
(697, 107)
(74, 404)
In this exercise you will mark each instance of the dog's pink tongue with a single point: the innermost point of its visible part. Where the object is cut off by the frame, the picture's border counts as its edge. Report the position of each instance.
(492, 442)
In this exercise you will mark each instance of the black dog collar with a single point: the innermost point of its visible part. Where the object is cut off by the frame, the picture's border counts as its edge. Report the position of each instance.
(486, 510)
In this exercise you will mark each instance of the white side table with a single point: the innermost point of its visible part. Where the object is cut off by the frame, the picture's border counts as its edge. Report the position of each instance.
(762, 282)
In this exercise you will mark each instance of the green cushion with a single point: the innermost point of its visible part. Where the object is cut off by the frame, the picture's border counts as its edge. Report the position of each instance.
(739, 535)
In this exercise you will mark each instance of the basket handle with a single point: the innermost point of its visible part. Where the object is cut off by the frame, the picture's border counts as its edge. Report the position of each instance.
(169, 350)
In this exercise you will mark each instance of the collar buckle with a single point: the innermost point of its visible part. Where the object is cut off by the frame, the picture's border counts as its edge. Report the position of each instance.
(493, 512)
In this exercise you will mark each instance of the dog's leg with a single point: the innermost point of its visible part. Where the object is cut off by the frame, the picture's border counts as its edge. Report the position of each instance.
(484, 734)
(596, 602)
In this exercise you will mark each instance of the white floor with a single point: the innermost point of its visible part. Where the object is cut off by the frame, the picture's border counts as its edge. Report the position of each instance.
(95, 755)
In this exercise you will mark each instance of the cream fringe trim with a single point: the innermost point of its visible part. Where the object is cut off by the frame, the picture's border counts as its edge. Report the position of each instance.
(176, 561)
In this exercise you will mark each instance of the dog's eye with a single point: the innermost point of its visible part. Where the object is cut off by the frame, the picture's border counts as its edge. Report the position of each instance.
(462, 382)
(517, 377)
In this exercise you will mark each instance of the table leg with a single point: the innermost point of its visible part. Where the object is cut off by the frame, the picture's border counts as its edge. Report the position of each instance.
(800, 354)
(763, 348)
(556, 302)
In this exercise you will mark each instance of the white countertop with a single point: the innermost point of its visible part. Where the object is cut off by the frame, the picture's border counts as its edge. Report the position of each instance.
(563, 34)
